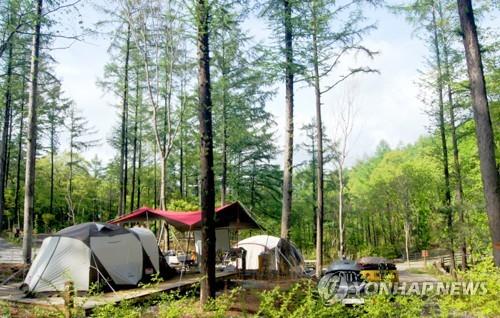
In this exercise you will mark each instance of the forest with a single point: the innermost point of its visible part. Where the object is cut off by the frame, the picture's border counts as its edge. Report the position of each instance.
(193, 129)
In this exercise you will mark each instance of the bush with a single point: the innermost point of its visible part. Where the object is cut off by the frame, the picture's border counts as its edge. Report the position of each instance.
(121, 310)
(479, 304)
(387, 306)
(172, 305)
(300, 301)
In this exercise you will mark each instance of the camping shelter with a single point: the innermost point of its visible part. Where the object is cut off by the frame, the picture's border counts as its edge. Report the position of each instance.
(281, 252)
(232, 216)
(95, 252)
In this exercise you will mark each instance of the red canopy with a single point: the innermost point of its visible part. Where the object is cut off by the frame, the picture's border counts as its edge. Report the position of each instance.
(233, 215)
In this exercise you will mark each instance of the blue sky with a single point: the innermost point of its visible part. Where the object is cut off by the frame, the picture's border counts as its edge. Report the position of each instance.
(387, 104)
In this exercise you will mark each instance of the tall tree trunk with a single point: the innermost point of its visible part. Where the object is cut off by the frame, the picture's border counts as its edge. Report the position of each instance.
(444, 146)
(134, 155)
(484, 131)
(163, 173)
(69, 198)
(319, 140)
(52, 151)
(288, 165)
(139, 168)
(341, 211)
(9, 148)
(165, 147)
(407, 242)
(5, 134)
(224, 144)
(123, 137)
(19, 156)
(252, 186)
(459, 192)
(155, 174)
(29, 186)
(207, 289)
(314, 192)
(181, 159)
(224, 128)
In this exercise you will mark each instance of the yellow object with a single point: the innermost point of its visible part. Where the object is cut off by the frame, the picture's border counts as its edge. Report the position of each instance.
(376, 275)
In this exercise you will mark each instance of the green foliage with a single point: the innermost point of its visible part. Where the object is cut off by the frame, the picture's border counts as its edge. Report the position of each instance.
(480, 304)
(4, 310)
(219, 306)
(172, 305)
(154, 281)
(43, 312)
(124, 309)
(298, 302)
(182, 205)
(384, 306)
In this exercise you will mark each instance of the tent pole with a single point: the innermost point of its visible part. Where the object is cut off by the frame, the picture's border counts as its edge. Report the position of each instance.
(158, 238)
(187, 248)
(167, 233)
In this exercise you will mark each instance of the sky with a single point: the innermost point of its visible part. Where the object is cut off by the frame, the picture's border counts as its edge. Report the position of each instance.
(387, 104)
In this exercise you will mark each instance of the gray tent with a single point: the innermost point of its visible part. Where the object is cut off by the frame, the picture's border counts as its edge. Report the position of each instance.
(96, 253)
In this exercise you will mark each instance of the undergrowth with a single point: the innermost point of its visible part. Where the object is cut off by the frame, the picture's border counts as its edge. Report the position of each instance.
(302, 301)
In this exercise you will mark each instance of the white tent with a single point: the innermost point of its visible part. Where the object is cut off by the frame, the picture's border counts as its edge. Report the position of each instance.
(93, 252)
(279, 249)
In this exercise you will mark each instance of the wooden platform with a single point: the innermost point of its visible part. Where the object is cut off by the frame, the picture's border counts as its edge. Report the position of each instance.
(11, 293)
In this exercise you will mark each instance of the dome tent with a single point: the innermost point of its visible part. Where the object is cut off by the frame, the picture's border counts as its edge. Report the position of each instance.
(282, 252)
(95, 252)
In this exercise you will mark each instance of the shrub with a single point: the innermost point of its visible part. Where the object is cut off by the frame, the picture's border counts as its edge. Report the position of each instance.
(387, 306)
(479, 304)
(300, 301)
(122, 310)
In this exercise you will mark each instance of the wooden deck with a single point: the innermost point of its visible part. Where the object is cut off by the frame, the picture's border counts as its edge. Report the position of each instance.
(12, 294)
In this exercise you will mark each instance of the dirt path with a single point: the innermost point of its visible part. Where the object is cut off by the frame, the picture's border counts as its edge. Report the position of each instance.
(10, 253)
(416, 272)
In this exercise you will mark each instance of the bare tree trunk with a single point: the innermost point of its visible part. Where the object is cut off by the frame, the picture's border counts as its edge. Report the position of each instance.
(163, 174)
(29, 187)
(19, 157)
(69, 198)
(181, 158)
(9, 139)
(407, 243)
(155, 173)
(286, 209)
(123, 138)
(5, 135)
(52, 150)
(444, 146)
(134, 155)
(459, 193)
(484, 131)
(224, 128)
(341, 211)
(207, 289)
(319, 155)
(224, 146)
(139, 168)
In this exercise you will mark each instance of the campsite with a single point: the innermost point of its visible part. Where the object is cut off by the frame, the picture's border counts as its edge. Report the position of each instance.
(260, 158)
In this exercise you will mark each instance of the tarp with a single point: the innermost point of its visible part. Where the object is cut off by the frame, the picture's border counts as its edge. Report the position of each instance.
(232, 215)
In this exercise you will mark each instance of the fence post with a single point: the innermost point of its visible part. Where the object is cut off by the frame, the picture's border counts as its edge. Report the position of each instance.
(69, 298)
